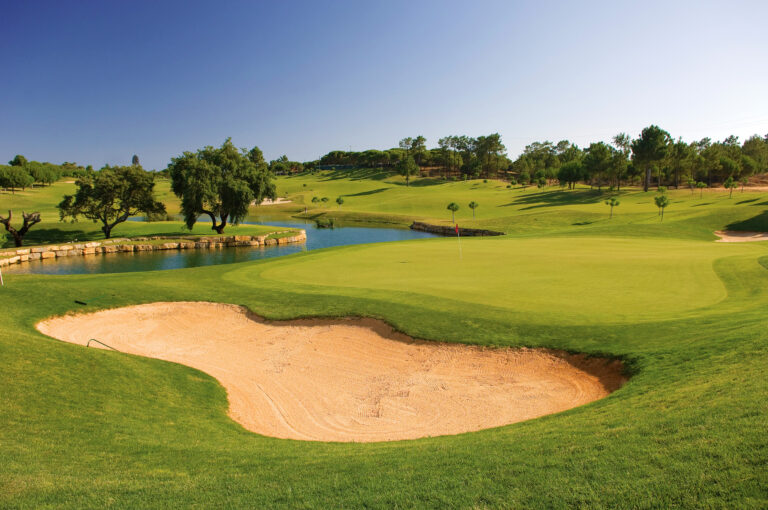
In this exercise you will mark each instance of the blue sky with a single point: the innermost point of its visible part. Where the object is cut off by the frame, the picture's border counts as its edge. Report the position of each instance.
(96, 82)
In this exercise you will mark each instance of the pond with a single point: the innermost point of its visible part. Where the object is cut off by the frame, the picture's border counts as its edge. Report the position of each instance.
(170, 259)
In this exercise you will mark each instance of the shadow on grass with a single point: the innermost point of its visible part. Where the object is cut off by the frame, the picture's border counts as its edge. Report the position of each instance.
(365, 193)
(749, 201)
(704, 203)
(558, 198)
(358, 174)
(757, 223)
(423, 182)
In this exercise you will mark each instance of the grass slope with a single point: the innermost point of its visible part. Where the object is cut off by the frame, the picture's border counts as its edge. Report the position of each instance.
(372, 196)
(91, 428)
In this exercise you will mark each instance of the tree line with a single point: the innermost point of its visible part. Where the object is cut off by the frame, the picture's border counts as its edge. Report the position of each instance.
(457, 154)
(21, 174)
(653, 157)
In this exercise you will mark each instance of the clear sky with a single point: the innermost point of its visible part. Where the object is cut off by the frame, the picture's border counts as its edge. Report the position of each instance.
(98, 81)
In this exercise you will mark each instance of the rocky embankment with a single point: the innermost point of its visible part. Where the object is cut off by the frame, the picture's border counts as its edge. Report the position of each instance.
(140, 244)
(451, 231)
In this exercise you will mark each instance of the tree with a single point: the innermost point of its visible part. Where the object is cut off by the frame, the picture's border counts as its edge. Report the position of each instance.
(473, 205)
(13, 177)
(623, 142)
(597, 162)
(42, 173)
(662, 201)
(570, 173)
(489, 150)
(691, 184)
(135, 160)
(453, 207)
(315, 200)
(701, 186)
(744, 182)
(339, 201)
(613, 202)
(729, 184)
(221, 183)
(407, 167)
(756, 148)
(405, 144)
(649, 150)
(18, 235)
(729, 167)
(324, 200)
(18, 160)
(111, 196)
(680, 159)
(418, 148)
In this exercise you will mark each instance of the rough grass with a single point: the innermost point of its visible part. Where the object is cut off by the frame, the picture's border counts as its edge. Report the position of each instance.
(91, 428)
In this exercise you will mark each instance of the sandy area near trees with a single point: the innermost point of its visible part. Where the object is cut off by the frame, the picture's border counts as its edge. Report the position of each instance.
(269, 201)
(347, 379)
(733, 236)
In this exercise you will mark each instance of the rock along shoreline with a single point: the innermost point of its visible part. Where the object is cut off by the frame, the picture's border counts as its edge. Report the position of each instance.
(446, 230)
(125, 245)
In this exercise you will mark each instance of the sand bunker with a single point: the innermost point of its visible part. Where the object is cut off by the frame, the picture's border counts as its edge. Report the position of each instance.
(733, 236)
(269, 201)
(346, 380)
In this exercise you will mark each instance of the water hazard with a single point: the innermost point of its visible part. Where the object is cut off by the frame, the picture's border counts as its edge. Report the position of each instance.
(171, 259)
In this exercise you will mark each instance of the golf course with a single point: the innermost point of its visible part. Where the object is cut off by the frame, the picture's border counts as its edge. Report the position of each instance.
(384, 255)
(673, 319)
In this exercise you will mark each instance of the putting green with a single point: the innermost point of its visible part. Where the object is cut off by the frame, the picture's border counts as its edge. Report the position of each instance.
(571, 279)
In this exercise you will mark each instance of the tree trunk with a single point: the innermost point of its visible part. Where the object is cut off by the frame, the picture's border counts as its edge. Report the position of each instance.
(107, 231)
(647, 183)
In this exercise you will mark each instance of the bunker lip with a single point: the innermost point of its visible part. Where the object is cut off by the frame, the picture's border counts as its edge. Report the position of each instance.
(738, 236)
(346, 380)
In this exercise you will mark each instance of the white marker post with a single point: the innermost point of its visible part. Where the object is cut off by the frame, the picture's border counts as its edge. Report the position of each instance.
(1, 278)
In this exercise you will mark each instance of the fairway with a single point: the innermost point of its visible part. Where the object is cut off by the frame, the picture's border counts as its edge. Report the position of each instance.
(570, 280)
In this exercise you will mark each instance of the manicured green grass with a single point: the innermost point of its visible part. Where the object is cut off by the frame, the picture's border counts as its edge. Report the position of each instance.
(91, 428)
(568, 280)
(518, 210)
